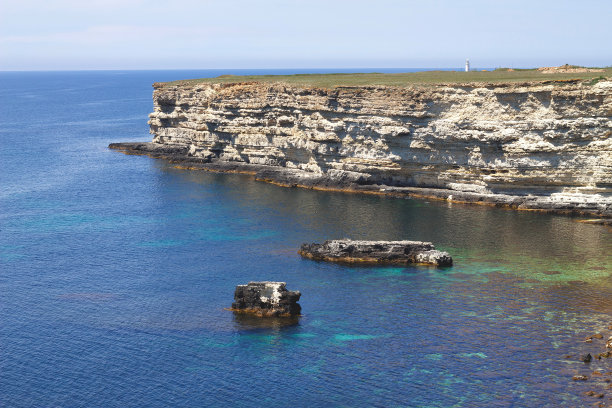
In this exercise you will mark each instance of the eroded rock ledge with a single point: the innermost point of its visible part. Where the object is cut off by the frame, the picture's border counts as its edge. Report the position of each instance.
(376, 252)
(576, 204)
(266, 299)
(536, 146)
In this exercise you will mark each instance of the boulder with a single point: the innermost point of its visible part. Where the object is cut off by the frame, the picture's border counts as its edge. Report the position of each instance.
(606, 354)
(376, 252)
(266, 299)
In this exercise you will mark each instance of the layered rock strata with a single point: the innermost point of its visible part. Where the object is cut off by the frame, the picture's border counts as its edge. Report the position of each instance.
(266, 299)
(545, 146)
(376, 252)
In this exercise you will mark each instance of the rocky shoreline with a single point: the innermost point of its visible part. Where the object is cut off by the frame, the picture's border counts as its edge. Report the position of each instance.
(376, 252)
(289, 177)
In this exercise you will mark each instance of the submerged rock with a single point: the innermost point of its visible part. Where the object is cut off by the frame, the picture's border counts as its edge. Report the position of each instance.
(266, 299)
(586, 358)
(607, 354)
(376, 252)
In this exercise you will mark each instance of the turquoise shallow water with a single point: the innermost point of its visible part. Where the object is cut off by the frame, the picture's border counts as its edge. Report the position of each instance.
(115, 271)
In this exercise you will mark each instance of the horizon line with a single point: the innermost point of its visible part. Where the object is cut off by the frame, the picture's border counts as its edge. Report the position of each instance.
(250, 69)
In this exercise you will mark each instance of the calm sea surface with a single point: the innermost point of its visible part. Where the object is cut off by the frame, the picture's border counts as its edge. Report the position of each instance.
(115, 271)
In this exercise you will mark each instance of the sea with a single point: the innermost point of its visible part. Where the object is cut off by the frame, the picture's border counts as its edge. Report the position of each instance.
(116, 271)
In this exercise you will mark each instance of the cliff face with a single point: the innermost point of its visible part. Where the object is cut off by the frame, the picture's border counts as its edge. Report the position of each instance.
(549, 142)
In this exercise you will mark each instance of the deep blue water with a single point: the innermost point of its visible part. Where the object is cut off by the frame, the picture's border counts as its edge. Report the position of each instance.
(115, 271)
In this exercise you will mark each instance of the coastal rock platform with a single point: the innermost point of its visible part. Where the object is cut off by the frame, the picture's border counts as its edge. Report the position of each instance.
(376, 252)
(177, 154)
(266, 299)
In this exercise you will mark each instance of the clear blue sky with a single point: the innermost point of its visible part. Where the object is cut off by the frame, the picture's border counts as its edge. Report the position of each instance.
(190, 34)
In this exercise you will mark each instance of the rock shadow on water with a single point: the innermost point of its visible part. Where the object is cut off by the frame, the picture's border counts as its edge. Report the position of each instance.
(251, 323)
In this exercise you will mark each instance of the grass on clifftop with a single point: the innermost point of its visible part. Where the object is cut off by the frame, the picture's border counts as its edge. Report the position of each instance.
(404, 79)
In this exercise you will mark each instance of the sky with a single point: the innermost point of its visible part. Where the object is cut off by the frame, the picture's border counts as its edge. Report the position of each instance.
(208, 34)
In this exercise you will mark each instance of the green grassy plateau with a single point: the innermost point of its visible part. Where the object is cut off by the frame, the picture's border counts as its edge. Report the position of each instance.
(407, 79)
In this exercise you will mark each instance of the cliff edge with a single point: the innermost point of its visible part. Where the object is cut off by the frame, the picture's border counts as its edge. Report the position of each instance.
(541, 146)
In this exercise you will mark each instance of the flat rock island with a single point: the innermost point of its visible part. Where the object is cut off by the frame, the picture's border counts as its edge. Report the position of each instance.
(266, 299)
(376, 252)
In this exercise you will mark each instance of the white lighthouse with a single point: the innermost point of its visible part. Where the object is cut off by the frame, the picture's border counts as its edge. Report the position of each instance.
(467, 65)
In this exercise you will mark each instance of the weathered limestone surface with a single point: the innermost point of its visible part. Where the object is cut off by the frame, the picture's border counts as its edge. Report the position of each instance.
(266, 299)
(535, 146)
(376, 252)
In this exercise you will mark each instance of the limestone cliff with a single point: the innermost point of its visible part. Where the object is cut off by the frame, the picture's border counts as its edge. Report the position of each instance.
(532, 145)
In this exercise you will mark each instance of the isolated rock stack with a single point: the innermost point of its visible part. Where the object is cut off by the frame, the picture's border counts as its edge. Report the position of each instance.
(266, 299)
